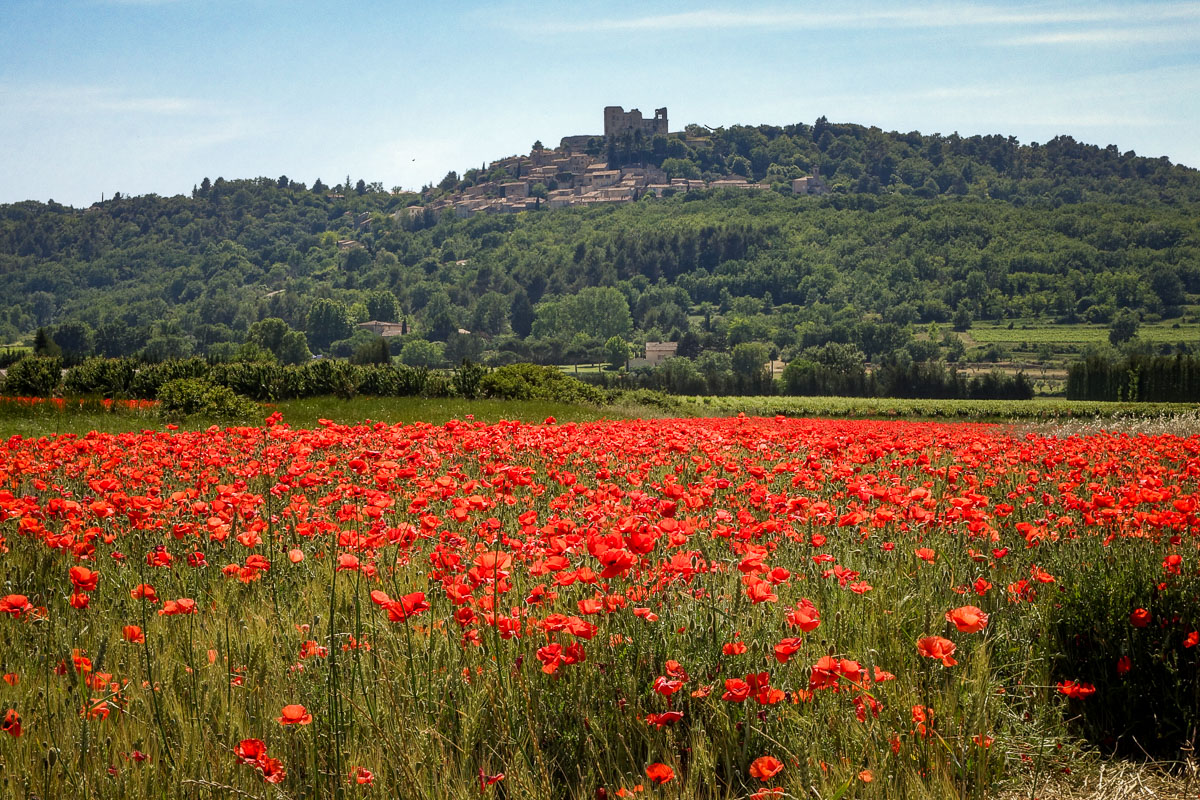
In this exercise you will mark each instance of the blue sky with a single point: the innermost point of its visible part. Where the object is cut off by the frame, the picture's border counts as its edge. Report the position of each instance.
(139, 96)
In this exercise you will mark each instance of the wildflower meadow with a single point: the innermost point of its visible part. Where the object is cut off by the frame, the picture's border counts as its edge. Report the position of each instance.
(717, 608)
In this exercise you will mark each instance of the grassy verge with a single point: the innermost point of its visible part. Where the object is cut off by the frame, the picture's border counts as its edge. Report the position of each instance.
(49, 420)
(886, 408)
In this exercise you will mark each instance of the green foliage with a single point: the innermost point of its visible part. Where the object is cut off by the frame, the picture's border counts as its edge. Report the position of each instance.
(184, 397)
(44, 345)
(1124, 327)
(1137, 377)
(1152, 707)
(1062, 231)
(103, 377)
(76, 339)
(327, 321)
(150, 378)
(39, 376)
(601, 312)
(616, 352)
(373, 352)
(531, 382)
(468, 379)
(420, 353)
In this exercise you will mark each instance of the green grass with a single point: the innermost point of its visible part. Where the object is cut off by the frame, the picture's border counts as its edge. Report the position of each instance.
(1082, 334)
(306, 413)
(882, 407)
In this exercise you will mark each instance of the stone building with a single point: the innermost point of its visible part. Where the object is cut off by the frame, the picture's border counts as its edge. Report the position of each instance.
(618, 121)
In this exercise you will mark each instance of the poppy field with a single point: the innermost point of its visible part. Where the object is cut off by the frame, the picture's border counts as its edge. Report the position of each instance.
(706, 608)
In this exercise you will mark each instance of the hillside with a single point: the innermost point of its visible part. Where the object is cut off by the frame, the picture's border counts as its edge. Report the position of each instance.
(916, 230)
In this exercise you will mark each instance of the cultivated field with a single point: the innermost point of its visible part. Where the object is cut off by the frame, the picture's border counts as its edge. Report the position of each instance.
(667, 608)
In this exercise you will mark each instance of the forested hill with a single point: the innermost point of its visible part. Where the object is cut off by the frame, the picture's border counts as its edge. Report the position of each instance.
(917, 229)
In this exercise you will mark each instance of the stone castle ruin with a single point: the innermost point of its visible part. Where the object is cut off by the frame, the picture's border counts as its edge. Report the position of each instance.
(576, 173)
(618, 122)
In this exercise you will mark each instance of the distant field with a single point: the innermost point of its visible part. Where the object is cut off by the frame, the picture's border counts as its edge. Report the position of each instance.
(1157, 333)
(875, 407)
(307, 413)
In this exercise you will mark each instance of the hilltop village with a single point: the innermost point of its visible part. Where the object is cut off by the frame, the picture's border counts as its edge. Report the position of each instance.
(586, 170)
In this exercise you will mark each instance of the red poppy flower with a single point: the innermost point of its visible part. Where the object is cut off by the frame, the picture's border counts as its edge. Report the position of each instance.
(183, 605)
(968, 619)
(786, 649)
(12, 723)
(407, 606)
(84, 579)
(736, 690)
(15, 605)
(659, 773)
(133, 634)
(939, 648)
(249, 751)
(1077, 691)
(294, 715)
(1140, 618)
(272, 770)
(765, 767)
(665, 718)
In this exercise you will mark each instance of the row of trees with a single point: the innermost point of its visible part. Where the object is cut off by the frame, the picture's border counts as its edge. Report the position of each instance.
(1136, 377)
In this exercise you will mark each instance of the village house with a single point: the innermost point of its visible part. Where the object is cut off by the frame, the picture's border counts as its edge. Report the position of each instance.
(577, 173)
(383, 328)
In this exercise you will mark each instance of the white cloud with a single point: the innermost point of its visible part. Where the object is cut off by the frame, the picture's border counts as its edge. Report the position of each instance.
(83, 99)
(1106, 36)
(924, 17)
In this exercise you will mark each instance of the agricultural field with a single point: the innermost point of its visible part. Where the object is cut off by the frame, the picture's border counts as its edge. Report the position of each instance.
(705, 608)
(1077, 336)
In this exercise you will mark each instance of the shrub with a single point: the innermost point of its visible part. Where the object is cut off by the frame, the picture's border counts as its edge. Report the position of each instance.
(329, 376)
(104, 377)
(260, 380)
(531, 382)
(34, 377)
(467, 379)
(185, 397)
(150, 378)
(379, 380)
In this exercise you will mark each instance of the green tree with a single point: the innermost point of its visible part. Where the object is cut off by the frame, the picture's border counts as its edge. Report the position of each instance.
(77, 340)
(491, 314)
(44, 345)
(268, 333)
(597, 311)
(681, 168)
(749, 362)
(1123, 328)
(372, 352)
(168, 342)
(293, 348)
(439, 317)
(383, 307)
(521, 314)
(327, 322)
(420, 353)
(616, 352)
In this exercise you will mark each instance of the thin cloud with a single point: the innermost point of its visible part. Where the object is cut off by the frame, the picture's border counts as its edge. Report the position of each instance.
(1105, 36)
(92, 99)
(937, 17)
